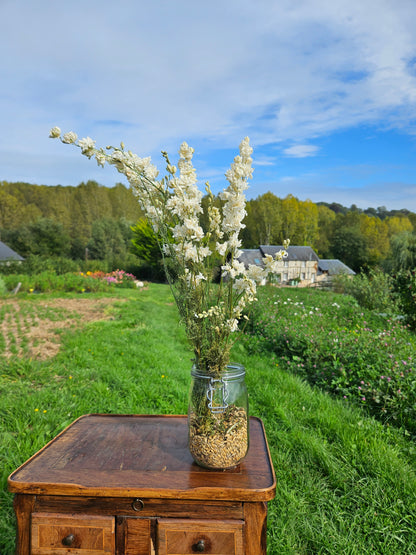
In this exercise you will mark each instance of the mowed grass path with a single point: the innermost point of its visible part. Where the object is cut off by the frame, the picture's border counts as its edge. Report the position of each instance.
(345, 483)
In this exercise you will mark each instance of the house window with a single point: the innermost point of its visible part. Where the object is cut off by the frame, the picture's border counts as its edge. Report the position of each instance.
(313, 278)
(286, 264)
(303, 263)
(285, 276)
(303, 276)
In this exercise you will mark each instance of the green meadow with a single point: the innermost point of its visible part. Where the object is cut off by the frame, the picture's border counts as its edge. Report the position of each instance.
(344, 457)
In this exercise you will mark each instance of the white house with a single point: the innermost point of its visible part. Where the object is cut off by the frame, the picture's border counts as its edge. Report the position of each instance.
(301, 267)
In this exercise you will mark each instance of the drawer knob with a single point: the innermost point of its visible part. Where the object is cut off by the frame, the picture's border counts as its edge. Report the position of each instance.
(68, 540)
(200, 546)
(137, 505)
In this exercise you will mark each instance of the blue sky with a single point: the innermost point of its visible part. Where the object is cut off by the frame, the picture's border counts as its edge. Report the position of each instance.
(326, 91)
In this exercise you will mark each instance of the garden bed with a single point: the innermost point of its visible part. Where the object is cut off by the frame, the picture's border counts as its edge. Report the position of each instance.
(31, 328)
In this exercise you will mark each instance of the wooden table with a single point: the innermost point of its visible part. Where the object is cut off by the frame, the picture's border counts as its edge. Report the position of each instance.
(127, 485)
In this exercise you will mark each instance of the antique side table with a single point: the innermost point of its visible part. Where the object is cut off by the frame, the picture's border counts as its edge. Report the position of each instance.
(127, 485)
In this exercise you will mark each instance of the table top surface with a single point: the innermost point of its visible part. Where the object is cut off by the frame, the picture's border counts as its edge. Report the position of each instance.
(142, 456)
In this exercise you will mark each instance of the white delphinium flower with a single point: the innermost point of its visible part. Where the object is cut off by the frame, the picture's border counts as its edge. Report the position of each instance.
(199, 278)
(100, 158)
(55, 133)
(232, 325)
(87, 146)
(185, 202)
(203, 252)
(234, 207)
(221, 248)
(233, 269)
(240, 285)
(256, 273)
(69, 138)
(234, 243)
(186, 251)
(118, 159)
(151, 172)
(186, 152)
(271, 265)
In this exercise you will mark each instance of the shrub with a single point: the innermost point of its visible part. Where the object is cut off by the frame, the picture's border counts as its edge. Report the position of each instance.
(331, 342)
(373, 290)
(51, 282)
(405, 289)
(33, 265)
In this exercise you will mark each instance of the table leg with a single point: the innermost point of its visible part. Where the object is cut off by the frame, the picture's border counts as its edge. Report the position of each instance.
(255, 523)
(23, 507)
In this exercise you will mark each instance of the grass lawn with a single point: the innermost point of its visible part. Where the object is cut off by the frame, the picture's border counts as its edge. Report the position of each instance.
(345, 483)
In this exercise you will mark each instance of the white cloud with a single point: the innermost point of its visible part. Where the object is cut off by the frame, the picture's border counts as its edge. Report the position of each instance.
(301, 69)
(154, 72)
(301, 151)
(264, 160)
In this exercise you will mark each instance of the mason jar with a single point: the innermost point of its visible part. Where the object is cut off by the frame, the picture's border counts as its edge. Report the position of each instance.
(218, 422)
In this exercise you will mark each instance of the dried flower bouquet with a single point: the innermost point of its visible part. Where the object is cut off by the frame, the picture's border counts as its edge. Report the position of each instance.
(211, 312)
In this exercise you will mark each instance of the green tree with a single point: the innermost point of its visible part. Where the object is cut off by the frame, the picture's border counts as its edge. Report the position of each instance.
(405, 288)
(398, 224)
(20, 240)
(308, 224)
(50, 238)
(107, 240)
(290, 219)
(9, 207)
(350, 246)
(44, 237)
(145, 246)
(375, 232)
(268, 218)
(326, 218)
(403, 248)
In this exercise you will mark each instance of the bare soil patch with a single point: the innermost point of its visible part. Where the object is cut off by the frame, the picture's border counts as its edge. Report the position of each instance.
(32, 328)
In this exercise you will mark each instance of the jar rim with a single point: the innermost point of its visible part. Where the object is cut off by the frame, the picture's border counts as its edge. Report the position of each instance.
(232, 372)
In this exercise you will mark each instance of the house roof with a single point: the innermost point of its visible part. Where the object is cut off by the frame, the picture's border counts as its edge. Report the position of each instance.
(251, 256)
(6, 253)
(334, 267)
(293, 252)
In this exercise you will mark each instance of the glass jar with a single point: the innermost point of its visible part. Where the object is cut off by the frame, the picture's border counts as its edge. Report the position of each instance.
(218, 421)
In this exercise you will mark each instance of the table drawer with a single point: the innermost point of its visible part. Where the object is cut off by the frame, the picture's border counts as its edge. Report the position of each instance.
(187, 537)
(53, 534)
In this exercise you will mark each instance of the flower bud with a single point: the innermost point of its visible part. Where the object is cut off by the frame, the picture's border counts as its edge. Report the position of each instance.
(55, 133)
(69, 138)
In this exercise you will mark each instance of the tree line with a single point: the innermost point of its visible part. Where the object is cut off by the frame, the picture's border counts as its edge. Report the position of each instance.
(86, 221)
(360, 239)
(91, 221)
